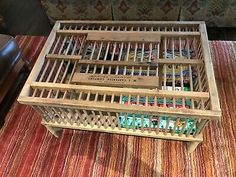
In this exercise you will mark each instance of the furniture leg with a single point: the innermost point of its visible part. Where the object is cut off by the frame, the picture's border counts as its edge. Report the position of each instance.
(54, 130)
(191, 146)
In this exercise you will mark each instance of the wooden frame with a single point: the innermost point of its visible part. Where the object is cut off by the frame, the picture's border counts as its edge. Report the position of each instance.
(151, 79)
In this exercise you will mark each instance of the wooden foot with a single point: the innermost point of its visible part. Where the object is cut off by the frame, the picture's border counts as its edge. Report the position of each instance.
(54, 130)
(192, 146)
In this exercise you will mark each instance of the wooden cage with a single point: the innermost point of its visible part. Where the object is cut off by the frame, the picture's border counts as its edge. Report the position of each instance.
(151, 79)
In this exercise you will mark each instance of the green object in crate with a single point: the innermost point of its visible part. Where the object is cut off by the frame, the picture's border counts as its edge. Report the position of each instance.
(137, 122)
(160, 101)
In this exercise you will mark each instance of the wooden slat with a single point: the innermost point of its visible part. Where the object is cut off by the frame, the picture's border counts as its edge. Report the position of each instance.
(107, 106)
(63, 57)
(161, 33)
(123, 36)
(116, 90)
(124, 131)
(139, 63)
(215, 104)
(115, 80)
(40, 61)
(124, 23)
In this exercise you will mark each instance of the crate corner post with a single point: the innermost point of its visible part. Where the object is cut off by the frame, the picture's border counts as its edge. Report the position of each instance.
(54, 130)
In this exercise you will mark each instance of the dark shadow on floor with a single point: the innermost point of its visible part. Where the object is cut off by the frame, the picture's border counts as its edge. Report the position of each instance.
(24, 17)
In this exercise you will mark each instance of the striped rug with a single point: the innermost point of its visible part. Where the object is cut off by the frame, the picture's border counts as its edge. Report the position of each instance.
(27, 149)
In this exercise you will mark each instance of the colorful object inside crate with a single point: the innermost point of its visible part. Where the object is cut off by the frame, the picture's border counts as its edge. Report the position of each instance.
(160, 101)
(154, 54)
(137, 121)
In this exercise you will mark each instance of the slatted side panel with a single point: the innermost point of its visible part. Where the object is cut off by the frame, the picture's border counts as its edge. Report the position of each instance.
(118, 97)
(129, 26)
(122, 121)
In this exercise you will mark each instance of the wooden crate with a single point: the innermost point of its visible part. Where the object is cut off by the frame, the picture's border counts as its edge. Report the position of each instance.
(151, 79)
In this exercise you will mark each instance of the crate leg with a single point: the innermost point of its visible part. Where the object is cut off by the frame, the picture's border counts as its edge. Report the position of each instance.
(54, 130)
(191, 146)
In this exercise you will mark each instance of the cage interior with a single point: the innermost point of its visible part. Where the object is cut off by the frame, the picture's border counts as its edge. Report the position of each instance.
(171, 63)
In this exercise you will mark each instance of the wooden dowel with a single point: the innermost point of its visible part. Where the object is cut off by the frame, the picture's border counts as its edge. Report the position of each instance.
(113, 52)
(94, 46)
(150, 123)
(200, 127)
(180, 47)
(125, 70)
(165, 72)
(135, 51)
(173, 75)
(87, 68)
(80, 95)
(142, 123)
(167, 125)
(155, 100)
(104, 98)
(88, 96)
(142, 52)
(150, 52)
(184, 127)
(175, 126)
(117, 70)
(126, 121)
(134, 122)
(55, 46)
(121, 50)
(132, 71)
(96, 96)
(100, 49)
(158, 124)
(121, 98)
(138, 98)
(127, 54)
(191, 128)
(129, 99)
(140, 71)
(146, 101)
(148, 70)
(158, 50)
(112, 98)
(117, 117)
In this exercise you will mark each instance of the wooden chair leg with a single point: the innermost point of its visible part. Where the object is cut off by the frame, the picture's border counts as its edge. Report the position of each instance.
(54, 130)
(191, 146)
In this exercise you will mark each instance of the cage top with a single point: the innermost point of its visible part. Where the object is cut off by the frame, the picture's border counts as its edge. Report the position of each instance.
(158, 67)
